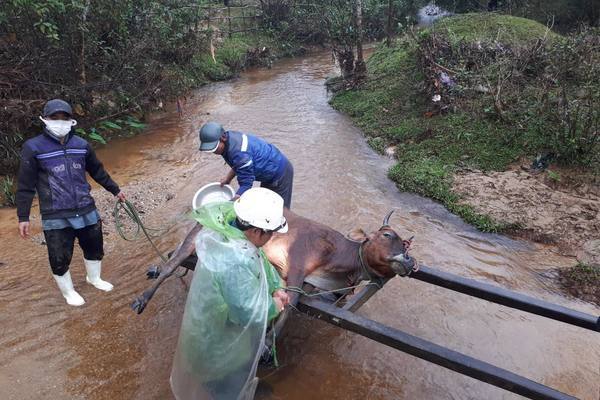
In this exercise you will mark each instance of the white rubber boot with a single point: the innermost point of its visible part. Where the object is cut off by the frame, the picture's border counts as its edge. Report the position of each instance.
(65, 284)
(93, 268)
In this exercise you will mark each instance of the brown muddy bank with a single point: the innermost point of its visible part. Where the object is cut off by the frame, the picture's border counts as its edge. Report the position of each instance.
(559, 206)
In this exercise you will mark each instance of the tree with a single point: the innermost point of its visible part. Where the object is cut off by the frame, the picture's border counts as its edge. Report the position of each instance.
(360, 68)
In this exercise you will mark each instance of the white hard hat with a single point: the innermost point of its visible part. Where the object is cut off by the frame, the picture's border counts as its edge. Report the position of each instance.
(261, 208)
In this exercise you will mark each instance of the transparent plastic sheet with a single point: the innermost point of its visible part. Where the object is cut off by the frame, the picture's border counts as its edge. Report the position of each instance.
(226, 313)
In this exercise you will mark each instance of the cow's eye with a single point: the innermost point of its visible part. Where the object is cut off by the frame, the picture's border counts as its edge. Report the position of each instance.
(387, 235)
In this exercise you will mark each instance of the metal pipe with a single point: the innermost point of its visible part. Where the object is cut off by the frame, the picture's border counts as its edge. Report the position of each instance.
(507, 298)
(484, 291)
(357, 300)
(430, 351)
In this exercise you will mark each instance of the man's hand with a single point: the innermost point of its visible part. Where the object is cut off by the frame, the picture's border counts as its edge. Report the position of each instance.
(278, 304)
(24, 229)
(281, 299)
(224, 181)
(121, 197)
(228, 178)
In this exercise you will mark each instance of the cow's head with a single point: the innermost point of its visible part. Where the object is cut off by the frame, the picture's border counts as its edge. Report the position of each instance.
(384, 251)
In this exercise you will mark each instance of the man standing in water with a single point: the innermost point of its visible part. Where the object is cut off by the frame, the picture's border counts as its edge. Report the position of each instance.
(54, 164)
(234, 293)
(251, 159)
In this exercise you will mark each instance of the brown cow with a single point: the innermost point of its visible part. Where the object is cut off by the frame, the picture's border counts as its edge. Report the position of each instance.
(308, 247)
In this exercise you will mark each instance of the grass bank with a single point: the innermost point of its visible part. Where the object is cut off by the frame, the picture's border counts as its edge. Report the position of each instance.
(477, 91)
(582, 281)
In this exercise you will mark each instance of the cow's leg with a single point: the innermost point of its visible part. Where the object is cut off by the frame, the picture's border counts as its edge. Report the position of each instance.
(183, 251)
(295, 279)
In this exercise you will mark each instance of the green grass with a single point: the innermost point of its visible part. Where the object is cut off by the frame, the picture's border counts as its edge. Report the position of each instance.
(582, 281)
(505, 29)
(584, 274)
(7, 191)
(231, 57)
(390, 108)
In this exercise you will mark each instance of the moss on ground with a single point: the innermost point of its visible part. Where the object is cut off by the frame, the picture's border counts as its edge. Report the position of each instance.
(582, 281)
(234, 54)
(505, 29)
(393, 107)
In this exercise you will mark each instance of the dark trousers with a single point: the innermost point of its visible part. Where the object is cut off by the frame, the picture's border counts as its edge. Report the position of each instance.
(60, 244)
(283, 185)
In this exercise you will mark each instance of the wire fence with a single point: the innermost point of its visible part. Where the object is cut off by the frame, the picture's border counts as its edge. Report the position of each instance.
(231, 19)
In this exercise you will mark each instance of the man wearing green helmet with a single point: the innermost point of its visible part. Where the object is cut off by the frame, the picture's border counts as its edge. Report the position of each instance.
(251, 159)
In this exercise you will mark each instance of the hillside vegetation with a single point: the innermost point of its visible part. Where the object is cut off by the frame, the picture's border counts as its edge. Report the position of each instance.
(113, 60)
(479, 91)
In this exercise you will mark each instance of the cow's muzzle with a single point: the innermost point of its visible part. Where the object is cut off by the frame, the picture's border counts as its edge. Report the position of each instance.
(403, 264)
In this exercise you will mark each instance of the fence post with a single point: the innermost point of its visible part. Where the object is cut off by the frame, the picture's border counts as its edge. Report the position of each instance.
(243, 19)
(208, 17)
(229, 19)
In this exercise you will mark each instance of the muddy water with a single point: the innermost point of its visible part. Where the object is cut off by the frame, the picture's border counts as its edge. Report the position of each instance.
(104, 351)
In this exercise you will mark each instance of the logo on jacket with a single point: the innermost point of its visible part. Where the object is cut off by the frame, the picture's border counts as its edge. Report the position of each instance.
(76, 165)
(59, 168)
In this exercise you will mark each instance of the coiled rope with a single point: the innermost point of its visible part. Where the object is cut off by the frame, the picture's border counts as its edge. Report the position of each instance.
(134, 215)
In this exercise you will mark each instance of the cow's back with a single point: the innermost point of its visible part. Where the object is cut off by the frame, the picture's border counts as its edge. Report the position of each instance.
(307, 245)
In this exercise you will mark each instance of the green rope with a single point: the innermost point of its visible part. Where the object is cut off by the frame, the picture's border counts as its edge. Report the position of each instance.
(304, 293)
(133, 214)
(274, 348)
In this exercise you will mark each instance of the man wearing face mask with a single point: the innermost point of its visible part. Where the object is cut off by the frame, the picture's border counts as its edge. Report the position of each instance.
(54, 165)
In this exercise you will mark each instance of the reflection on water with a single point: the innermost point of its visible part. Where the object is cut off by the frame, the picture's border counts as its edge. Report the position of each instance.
(104, 351)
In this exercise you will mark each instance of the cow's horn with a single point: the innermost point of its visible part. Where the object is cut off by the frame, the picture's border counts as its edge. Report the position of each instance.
(386, 220)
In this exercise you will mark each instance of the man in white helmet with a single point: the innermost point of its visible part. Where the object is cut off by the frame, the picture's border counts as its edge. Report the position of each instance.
(234, 293)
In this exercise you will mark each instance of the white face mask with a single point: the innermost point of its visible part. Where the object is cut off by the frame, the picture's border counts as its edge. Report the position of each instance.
(59, 128)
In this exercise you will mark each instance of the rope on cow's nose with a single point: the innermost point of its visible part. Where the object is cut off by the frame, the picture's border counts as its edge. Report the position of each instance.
(305, 293)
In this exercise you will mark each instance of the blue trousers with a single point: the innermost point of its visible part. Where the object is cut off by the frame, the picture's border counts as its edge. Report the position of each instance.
(283, 186)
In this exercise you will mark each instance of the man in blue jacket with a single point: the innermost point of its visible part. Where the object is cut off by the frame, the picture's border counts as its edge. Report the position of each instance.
(251, 159)
(54, 165)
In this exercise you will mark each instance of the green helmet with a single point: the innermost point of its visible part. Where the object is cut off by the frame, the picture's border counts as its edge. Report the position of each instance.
(209, 135)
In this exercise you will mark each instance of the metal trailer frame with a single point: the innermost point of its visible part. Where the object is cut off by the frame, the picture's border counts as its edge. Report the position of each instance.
(342, 314)
(345, 318)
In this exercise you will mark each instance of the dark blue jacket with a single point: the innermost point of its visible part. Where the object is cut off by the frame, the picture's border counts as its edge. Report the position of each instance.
(253, 159)
(57, 173)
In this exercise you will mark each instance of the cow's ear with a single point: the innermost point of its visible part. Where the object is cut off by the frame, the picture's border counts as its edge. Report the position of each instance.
(358, 235)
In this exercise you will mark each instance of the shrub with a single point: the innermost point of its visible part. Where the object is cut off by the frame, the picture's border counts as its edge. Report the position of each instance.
(7, 188)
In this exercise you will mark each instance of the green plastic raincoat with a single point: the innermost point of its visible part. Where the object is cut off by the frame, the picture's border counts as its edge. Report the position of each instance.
(225, 319)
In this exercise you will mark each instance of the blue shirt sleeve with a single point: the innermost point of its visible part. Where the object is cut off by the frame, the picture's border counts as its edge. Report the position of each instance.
(243, 165)
(26, 183)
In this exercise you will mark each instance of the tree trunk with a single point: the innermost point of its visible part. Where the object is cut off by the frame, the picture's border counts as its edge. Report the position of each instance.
(389, 23)
(83, 29)
(345, 59)
(360, 68)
